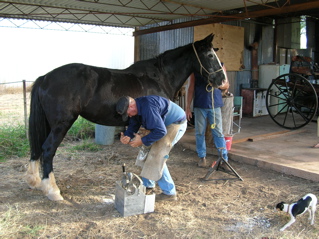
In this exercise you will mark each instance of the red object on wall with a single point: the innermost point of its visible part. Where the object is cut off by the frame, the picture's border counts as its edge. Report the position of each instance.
(248, 99)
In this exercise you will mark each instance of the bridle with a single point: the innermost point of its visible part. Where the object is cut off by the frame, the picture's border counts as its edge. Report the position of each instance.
(201, 65)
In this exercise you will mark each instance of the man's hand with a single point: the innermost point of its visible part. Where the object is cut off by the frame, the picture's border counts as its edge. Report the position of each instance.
(124, 139)
(188, 114)
(137, 141)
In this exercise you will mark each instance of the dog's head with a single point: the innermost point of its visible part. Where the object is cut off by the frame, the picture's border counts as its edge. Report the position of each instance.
(280, 206)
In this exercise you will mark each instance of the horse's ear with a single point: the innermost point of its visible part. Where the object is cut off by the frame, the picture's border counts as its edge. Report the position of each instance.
(216, 49)
(209, 38)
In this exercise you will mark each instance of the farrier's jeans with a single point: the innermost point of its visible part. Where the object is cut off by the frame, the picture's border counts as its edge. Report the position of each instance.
(166, 182)
(201, 117)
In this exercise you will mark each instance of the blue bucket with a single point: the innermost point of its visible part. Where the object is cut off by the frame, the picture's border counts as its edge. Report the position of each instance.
(104, 135)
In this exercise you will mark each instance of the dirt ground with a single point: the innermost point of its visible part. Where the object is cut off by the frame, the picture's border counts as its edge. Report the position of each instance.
(214, 209)
(223, 207)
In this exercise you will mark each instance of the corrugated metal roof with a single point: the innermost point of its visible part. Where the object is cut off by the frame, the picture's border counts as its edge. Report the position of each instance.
(137, 13)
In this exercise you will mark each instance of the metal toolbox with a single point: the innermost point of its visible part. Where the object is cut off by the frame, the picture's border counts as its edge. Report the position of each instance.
(131, 198)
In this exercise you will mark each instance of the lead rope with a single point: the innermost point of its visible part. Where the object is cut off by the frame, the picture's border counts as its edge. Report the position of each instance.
(213, 107)
(209, 73)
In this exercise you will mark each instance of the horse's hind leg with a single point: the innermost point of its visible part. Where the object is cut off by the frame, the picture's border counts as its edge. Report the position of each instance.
(48, 184)
(32, 175)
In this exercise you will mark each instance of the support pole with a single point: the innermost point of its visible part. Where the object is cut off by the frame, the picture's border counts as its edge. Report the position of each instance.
(25, 108)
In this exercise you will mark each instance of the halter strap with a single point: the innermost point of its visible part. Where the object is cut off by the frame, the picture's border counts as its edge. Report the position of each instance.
(201, 65)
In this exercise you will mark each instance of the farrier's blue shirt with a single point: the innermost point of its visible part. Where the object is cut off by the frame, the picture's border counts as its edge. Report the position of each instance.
(154, 114)
(203, 98)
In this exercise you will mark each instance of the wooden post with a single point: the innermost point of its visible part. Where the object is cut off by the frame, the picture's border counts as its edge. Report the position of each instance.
(227, 115)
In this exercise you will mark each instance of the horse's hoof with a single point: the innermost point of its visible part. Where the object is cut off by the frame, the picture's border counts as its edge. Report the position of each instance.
(55, 197)
(33, 182)
(32, 176)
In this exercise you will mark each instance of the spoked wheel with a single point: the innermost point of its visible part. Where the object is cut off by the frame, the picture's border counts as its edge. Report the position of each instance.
(291, 101)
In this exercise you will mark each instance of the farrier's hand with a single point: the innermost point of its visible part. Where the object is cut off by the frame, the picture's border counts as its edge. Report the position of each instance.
(137, 141)
(124, 139)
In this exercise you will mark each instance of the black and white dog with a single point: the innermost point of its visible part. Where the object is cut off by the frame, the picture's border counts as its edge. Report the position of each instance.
(308, 202)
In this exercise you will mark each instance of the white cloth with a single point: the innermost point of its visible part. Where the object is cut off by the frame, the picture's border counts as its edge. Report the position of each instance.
(158, 155)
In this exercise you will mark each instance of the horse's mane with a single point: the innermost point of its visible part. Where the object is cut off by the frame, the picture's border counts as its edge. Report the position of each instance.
(159, 61)
(164, 59)
(167, 55)
(176, 50)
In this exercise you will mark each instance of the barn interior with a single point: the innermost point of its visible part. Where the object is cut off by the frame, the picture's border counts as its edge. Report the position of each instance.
(257, 41)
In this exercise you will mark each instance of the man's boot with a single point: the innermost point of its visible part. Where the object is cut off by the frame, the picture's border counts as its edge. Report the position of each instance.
(202, 162)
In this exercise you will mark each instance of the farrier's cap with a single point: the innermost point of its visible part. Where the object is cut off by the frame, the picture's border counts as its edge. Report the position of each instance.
(122, 106)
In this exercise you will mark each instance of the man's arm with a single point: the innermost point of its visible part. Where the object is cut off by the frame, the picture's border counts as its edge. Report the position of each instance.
(190, 95)
(224, 87)
(156, 126)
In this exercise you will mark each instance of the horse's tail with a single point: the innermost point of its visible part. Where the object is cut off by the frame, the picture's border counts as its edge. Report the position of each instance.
(39, 128)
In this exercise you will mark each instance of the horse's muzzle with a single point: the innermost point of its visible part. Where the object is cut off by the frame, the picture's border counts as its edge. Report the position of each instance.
(216, 83)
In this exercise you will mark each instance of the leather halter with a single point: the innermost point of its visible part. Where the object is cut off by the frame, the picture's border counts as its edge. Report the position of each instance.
(201, 65)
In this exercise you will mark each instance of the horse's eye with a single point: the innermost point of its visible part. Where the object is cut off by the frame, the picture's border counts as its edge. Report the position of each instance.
(211, 55)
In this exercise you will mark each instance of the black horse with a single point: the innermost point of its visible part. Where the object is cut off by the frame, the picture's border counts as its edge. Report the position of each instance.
(59, 97)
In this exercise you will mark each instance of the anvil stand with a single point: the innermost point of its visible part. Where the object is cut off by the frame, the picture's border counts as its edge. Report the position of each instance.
(215, 167)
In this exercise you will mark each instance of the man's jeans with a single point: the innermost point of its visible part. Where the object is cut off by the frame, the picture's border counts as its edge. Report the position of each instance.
(201, 117)
(166, 182)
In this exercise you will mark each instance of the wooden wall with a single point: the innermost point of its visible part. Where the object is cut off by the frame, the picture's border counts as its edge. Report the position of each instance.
(229, 40)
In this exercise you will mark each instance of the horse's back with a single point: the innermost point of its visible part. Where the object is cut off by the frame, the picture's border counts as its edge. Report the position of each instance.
(73, 73)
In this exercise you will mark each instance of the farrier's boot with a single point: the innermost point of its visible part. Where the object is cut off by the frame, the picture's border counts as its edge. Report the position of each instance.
(202, 162)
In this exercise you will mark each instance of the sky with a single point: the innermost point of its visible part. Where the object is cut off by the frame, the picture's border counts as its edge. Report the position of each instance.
(27, 54)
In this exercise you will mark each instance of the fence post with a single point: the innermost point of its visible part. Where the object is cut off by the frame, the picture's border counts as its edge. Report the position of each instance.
(25, 108)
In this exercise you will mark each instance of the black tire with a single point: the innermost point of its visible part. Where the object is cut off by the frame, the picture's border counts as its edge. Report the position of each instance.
(291, 101)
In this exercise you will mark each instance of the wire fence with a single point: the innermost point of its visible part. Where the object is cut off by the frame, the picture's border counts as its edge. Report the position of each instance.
(15, 100)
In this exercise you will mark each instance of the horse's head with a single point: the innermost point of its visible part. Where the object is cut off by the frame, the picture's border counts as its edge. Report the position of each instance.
(209, 65)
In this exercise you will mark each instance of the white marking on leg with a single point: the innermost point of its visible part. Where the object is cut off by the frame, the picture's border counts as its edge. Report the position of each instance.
(310, 216)
(292, 220)
(50, 189)
(313, 211)
(32, 175)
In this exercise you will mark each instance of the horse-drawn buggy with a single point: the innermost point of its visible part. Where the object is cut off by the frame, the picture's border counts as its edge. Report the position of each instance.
(292, 99)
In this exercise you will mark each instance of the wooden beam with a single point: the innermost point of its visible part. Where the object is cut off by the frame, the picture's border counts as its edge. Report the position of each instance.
(216, 19)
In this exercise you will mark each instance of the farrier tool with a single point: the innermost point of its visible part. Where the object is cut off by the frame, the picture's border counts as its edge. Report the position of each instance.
(216, 166)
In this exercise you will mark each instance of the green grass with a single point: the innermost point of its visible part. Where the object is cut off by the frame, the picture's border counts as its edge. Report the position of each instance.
(14, 143)
(88, 145)
(11, 224)
(82, 129)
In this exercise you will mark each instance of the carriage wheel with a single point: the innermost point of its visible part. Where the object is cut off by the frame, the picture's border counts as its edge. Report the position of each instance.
(291, 101)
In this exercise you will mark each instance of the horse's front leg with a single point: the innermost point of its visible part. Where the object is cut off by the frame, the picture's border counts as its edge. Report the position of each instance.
(50, 188)
(48, 184)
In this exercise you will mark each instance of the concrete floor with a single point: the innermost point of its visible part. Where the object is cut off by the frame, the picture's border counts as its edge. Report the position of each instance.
(263, 143)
